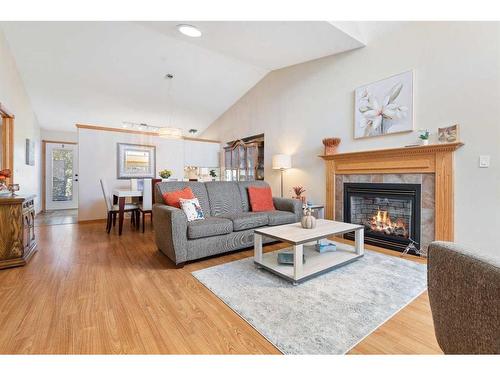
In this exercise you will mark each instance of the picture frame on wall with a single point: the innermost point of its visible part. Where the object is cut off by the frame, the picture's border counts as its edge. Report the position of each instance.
(135, 161)
(449, 134)
(384, 107)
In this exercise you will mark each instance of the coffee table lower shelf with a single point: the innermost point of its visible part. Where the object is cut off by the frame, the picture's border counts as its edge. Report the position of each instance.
(316, 263)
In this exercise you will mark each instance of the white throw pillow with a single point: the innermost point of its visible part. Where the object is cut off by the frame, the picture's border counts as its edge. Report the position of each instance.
(192, 209)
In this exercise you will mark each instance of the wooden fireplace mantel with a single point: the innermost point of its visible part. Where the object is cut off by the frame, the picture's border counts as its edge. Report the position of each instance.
(437, 159)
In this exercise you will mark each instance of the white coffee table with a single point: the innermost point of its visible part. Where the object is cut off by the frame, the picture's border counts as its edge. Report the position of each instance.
(299, 237)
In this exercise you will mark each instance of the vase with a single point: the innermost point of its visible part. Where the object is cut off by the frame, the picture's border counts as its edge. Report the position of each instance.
(331, 150)
(308, 221)
(424, 142)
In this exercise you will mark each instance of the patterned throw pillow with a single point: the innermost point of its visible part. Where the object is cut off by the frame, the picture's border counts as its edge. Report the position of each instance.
(192, 209)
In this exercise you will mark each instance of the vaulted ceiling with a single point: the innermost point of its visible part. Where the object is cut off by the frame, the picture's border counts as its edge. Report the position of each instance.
(110, 72)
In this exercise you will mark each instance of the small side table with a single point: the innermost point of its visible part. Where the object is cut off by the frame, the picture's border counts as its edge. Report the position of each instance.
(317, 210)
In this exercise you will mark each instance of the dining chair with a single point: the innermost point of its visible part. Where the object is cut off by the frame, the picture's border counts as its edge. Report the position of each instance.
(146, 207)
(113, 209)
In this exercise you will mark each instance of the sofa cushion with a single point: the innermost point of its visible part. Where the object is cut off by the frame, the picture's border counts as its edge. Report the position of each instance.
(211, 226)
(192, 209)
(198, 189)
(261, 199)
(281, 217)
(172, 198)
(224, 197)
(248, 220)
(243, 185)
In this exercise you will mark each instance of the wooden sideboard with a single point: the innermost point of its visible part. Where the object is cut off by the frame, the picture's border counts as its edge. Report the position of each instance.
(17, 230)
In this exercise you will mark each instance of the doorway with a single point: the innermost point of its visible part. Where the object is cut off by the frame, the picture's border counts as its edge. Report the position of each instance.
(60, 182)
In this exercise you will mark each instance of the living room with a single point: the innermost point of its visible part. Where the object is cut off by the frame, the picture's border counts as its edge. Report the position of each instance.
(331, 189)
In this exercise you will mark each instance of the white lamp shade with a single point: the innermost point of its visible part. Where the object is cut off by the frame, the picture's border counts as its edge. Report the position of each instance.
(282, 161)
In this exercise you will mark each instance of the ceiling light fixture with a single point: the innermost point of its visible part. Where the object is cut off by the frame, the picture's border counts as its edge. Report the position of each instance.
(164, 132)
(175, 133)
(189, 30)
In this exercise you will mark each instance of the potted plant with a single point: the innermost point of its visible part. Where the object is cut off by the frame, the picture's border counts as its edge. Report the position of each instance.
(166, 173)
(299, 190)
(212, 174)
(331, 145)
(424, 136)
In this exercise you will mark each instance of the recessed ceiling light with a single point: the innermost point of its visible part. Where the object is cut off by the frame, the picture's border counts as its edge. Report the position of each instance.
(189, 30)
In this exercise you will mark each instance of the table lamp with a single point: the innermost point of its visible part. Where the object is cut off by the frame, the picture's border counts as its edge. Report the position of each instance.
(282, 162)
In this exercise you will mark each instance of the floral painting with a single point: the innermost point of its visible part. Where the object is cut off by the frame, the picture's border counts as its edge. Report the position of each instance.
(384, 107)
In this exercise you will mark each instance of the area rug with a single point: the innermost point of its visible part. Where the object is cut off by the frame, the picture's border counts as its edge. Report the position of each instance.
(328, 314)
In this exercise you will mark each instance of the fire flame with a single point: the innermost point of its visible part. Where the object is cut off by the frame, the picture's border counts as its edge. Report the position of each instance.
(381, 222)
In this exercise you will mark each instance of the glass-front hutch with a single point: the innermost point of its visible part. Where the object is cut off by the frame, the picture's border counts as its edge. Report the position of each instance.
(244, 159)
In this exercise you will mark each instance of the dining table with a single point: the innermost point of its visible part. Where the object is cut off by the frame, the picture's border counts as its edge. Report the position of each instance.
(119, 197)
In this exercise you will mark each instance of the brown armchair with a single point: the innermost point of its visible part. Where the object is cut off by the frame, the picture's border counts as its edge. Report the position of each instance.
(464, 293)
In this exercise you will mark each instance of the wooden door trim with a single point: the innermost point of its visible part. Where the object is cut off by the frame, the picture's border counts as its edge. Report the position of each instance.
(60, 142)
(8, 141)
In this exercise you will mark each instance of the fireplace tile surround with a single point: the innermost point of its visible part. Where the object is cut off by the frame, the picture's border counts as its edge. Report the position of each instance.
(427, 182)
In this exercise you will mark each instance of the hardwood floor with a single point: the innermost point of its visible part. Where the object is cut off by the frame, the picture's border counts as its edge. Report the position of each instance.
(89, 292)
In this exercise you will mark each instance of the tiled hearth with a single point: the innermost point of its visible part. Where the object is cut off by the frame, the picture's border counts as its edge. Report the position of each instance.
(427, 182)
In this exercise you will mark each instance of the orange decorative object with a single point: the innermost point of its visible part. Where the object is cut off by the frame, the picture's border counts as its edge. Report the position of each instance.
(331, 145)
(261, 199)
(171, 198)
(5, 173)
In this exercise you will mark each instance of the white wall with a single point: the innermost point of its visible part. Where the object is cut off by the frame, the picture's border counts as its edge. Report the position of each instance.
(201, 154)
(60, 136)
(457, 80)
(13, 95)
(97, 151)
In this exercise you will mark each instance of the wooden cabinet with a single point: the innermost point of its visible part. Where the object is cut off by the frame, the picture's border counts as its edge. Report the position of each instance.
(244, 160)
(17, 230)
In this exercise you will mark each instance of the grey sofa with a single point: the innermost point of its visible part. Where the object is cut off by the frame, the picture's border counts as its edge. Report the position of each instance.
(464, 293)
(228, 224)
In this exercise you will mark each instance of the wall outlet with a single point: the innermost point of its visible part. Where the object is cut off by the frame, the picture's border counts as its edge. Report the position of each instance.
(484, 161)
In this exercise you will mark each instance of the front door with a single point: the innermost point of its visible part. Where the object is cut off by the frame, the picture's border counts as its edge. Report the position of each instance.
(61, 176)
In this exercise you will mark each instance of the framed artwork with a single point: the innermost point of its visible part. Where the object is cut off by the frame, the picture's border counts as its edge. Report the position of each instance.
(449, 134)
(30, 152)
(384, 107)
(136, 161)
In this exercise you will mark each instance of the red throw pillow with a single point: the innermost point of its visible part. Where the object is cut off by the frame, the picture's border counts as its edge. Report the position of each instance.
(171, 198)
(261, 199)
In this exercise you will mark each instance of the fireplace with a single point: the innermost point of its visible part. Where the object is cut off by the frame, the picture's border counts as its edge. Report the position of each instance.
(390, 212)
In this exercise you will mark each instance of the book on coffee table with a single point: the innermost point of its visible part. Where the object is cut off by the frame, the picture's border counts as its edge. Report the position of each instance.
(324, 246)
(286, 257)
